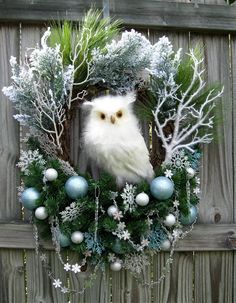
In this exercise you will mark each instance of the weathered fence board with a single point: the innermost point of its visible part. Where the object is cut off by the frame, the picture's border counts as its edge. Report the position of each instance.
(12, 279)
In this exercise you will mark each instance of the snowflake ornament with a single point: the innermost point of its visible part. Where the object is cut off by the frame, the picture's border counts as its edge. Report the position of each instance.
(67, 267)
(71, 212)
(57, 283)
(76, 268)
(179, 160)
(128, 195)
(27, 158)
(168, 173)
(136, 262)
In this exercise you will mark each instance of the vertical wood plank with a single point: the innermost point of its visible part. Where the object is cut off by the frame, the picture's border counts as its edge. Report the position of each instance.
(213, 279)
(12, 282)
(233, 58)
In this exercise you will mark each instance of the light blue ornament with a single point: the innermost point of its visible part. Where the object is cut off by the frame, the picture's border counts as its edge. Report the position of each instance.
(162, 188)
(29, 198)
(116, 247)
(76, 187)
(191, 217)
(64, 240)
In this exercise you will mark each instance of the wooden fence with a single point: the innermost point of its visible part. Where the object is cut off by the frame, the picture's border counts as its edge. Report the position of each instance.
(204, 268)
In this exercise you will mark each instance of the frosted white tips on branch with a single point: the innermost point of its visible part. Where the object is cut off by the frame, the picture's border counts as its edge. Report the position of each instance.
(45, 37)
(187, 117)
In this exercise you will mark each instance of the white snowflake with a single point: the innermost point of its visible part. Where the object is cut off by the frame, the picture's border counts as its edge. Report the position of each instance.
(111, 257)
(121, 226)
(176, 203)
(177, 233)
(76, 268)
(128, 196)
(57, 283)
(179, 160)
(126, 235)
(136, 262)
(149, 221)
(118, 215)
(64, 290)
(67, 267)
(196, 191)
(168, 173)
(71, 212)
(144, 242)
(197, 180)
(27, 158)
(43, 257)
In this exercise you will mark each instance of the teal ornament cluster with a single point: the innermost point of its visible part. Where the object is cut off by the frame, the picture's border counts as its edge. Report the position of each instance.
(191, 217)
(76, 187)
(29, 198)
(162, 188)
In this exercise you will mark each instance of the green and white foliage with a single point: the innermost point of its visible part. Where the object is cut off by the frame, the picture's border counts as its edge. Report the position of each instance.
(121, 65)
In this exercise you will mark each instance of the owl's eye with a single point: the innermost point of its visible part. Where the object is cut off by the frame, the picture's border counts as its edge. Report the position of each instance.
(102, 116)
(119, 114)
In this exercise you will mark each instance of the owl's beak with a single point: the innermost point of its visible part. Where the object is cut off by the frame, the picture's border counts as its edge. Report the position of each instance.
(113, 119)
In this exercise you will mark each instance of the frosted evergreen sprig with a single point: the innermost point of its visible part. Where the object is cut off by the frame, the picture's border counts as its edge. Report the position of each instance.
(121, 65)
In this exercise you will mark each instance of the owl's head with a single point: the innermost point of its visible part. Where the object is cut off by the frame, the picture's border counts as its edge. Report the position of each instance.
(111, 110)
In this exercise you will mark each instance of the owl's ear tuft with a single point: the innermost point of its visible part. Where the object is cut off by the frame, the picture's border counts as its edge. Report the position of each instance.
(130, 97)
(87, 105)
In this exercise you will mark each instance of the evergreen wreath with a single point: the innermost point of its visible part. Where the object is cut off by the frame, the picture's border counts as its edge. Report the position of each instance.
(103, 223)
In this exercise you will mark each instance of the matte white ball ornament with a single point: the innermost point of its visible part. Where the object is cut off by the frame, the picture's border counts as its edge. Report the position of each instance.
(51, 174)
(116, 266)
(142, 199)
(190, 172)
(112, 210)
(170, 220)
(41, 213)
(77, 237)
(165, 245)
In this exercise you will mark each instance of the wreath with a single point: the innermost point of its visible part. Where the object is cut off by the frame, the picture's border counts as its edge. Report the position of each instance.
(134, 209)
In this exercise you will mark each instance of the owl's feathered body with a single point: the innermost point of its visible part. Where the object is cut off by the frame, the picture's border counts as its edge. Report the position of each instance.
(113, 139)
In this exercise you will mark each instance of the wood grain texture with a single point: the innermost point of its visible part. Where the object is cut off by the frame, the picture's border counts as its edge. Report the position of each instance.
(178, 15)
(202, 238)
(213, 277)
(12, 282)
(177, 287)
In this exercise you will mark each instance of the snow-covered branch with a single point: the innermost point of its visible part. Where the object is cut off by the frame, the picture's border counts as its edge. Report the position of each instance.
(187, 117)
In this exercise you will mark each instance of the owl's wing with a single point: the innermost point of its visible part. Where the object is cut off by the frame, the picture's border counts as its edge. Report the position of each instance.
(133, 158)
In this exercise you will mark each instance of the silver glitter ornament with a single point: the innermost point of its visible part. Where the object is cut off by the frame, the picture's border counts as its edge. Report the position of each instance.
(165, 245)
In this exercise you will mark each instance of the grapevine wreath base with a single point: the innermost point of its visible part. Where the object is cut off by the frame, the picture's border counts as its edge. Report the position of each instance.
(104, 222)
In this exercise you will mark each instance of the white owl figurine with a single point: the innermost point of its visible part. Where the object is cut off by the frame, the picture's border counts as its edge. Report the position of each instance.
(113, 139)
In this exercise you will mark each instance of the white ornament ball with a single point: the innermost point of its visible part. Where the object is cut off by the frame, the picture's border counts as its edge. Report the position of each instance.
(112, 210)
(51, 174)
(190, 172)
(77, 237)
(142, 199)
(41, 213)
(170, 220)
(116, 266)
(165, 245)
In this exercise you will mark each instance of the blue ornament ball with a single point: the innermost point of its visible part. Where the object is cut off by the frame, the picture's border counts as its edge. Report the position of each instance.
(76, 187)
(117, 248)
(64, 240)
(162, 188)
(29, 198)
(191, 217)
